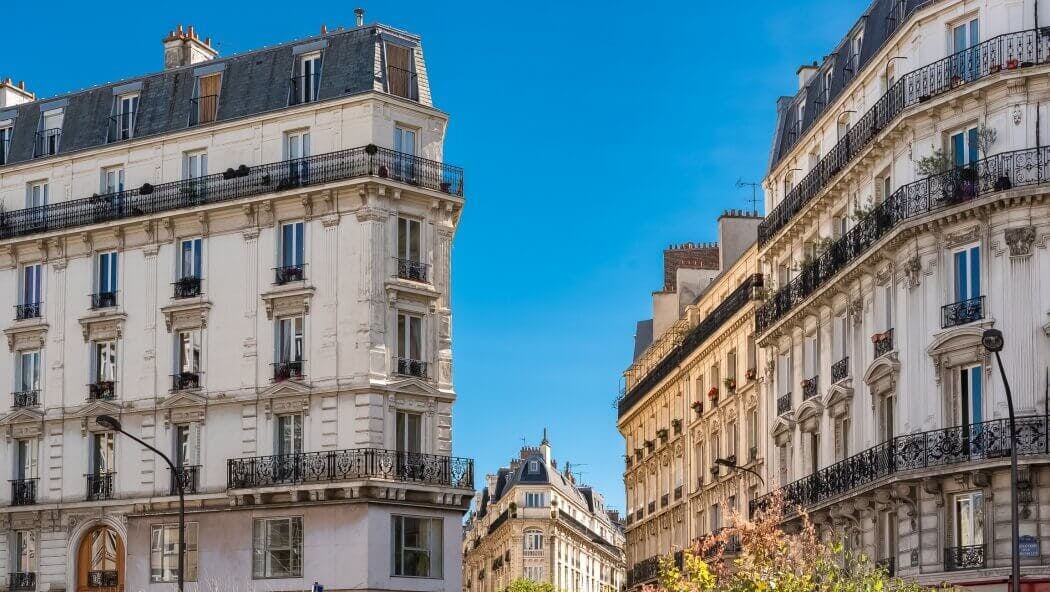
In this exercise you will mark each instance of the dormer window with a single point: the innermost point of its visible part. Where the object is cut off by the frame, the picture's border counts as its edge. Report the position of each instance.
(205, 103)
(306, 79)
(828, 79)
(49, 133)
(122, 123)
(400, 72)
(534, 467)
(5, 140)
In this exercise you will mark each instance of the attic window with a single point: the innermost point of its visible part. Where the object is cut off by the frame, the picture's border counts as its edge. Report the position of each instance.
(205, 103)
(400, 72)
(306, 79)
(534, 466)
(50, 133)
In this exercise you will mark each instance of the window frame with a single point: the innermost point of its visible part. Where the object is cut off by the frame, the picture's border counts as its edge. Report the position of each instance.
(397, 546)
(295, 548)
(169, 551)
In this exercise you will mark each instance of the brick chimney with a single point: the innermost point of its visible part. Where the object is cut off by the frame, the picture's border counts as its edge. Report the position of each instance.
(12, 94)
(182, 48)
(687, 256)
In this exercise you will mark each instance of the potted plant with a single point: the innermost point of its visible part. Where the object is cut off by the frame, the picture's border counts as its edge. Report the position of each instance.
(1011, 63)
(662, 434)
(676, 424)
(730, 384)
(371, 149)
(146, 189)
(956, 81)
(994, 68)
(752, 373)
(713, 393)
(264, 180)
(698, 406)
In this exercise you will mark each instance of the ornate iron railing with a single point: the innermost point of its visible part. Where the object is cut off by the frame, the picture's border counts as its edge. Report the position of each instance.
(46, 142)
(27, 398)
(810, 388)
(733, 303)
(287, 370)
(28, 310)
(644, 571)
(1029, 166)
(1004, 52)
(21, 580)
(103, 300)
(303, 89)
(102, 390)
(121, 127)
(107, 578)
(934, 448)
(289, 273)
(346, 465)
(408, 269)
(883, 343)
(187, 287)
(184, 381)
(962, 312)
(840, 370)
(244, 181)
(99, 486)
(189, 476)
(23, 492)
(410, 367)
(968, 557)
(784, 404)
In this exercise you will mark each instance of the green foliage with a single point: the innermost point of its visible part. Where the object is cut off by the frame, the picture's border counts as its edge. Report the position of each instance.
(936, 163)
(523, 585)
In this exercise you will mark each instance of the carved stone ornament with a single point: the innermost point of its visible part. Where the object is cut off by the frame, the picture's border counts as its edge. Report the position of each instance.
(186, 315)
(1020, 240)
(25, 337)
(102, 327)
(286, 303)
(969, 235)
(912, 271)
(287, 405)
(855, 310)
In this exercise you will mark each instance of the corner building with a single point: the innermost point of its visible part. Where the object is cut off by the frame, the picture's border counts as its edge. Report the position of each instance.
(907, 199)
(246, 261)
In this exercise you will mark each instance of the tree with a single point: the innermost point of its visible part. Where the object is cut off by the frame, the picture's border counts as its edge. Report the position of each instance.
(772, 560)
(523, 585)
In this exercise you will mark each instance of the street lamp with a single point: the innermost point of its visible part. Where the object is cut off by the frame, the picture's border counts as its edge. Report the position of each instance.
(111, 423)
(992, 340)
(730, 463)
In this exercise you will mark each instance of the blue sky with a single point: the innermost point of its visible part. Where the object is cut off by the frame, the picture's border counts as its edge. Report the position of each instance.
(593, 135)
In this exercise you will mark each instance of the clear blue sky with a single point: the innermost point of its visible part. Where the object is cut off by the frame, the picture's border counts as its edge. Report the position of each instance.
(593, 135)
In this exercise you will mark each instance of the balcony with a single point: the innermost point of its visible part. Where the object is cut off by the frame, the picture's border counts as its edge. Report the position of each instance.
(652, 508)
(46, 142)
(107, 578)
(26, 398)
(882, 342)
(415, 271)
(664, 500)
(21, 580)
(915, 87)
(203, 109)
(102, 390)
(678, 493)
(962, 312)
(187, 287)
(1000, 172)
(809, 388)
(410, 367)
(645, 571)
(303, 89)
(696, 336)
(23, 492)
(188, 476)
(288, 370)
(185, 381)
(351, 465)
(402, 83)
(923, 450)
(121, 127)
(752, 454)
(289, 273)
(840, 370)
(784, 404)
(968, 557)
(103, 300)
(99, 486)
(29, 310)
(353, 163)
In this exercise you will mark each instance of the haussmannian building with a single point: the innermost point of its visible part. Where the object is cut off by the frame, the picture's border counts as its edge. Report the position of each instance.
(694, 394)
(907, 213)
(246, 261)
(533, 521)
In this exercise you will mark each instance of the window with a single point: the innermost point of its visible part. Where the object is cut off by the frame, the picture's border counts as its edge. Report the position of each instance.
(205, 104)
(409, 432)
(752, 433)
(308, 78)
(123, 126)
(534, 467)
(102, 453)
(112, 180)
(405, 151)
(26, 459)
(409, 337)
(969, 403)
(839, 335)
(291, 246)
(277, 547)
(417, 546)
(964, 38)
(534, 573)
(800, 117)
(809, 355)
(50, 132)
(5, 141)
(105, 367)
(784, 373)
(164, 552)
(814, 451)
(105, 280)
(716, 517)
(533, 540)
(731, 439)
(25, 551)
(189, 351)
(36, 194)
(535, 499)
(887, 307)
(964, 147)
(855, 46)
(190, 252)
(408, 240)
(887, 533)
(296, 150)
(289, 434)
(28, 378)
(288, 348)
(967, 270)
(195, 165)
(400, 71)
(828, 78)
(886, 416)
(969, 519)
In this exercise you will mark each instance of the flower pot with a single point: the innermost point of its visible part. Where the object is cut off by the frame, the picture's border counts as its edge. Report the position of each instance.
(1011, 64)
(146, 189)
(383, 172)
(924, 98)
(1003, 183)
(1027, 64)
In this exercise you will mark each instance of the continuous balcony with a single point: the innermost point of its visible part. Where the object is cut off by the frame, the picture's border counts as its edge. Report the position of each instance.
(1005, 52)
(234, 184)
(1000, 172)
(703, 331)
(923, 450)
(351, 465)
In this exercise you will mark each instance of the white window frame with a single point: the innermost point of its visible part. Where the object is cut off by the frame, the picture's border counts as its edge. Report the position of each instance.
(195, 164)
(35, 190)
(125, 114)
(295, 243)
(289, 442)
(262, 558)
(186, 343)
(35, 356)
(405, 423)
(432, 550)
(196, 250)
(535, 499)
(101, 351)
(164, 553)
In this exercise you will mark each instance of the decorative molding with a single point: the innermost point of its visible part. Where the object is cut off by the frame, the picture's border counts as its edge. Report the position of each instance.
(102, 327)
(1020, 241)
(969, 235)
(190, 314)
(23, 336)
(288, 302)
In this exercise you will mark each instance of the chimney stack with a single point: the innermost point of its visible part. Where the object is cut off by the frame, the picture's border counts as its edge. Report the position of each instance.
(184, 47)
(806, 72)
(11, 95)
(359, 13)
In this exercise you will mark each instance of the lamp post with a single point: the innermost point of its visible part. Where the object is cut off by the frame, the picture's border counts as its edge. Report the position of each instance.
(112, 423)
(992, 340)
(730, 463)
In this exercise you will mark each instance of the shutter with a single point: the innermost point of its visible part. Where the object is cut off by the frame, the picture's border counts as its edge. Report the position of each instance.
(194, 457)
(34, 446)
(259, 549)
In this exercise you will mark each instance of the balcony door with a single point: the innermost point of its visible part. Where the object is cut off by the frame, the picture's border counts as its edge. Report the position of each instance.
(292, 245)
(964, 40)
(966, 265)
(190, 258)
(26, 463)
(25, 551)
(410, 337)
(964, 146)
(969, 519)
(289, 434)
(405, 147)
(409, 432)
(297, 149)
(127, 106)
(103, 455)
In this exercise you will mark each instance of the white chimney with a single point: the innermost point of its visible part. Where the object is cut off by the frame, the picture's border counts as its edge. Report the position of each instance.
(360, 14)
(182, 48)
(806, 72)
(11, 95)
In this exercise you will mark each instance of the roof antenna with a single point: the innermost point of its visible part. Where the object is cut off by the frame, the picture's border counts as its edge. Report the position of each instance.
(359, 14)
(545, 440)
(741, 183)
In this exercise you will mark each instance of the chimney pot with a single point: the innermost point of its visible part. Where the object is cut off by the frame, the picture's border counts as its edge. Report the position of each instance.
(324, 29)
(359, 13)
(22, 84)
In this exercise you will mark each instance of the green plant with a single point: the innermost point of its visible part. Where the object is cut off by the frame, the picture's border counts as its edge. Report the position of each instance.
(936, 163)
(523, 585)
(986, 138)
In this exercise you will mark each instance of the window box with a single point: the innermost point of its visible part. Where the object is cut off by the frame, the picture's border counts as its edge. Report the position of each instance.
(698, 406)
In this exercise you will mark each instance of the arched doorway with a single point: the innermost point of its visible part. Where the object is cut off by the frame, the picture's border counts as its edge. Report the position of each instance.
(100, 561)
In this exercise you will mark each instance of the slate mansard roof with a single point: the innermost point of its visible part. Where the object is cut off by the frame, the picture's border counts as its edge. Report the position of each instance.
(882, 19)
(252, 83)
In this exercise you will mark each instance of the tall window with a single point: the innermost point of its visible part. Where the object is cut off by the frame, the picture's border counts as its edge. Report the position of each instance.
(969, 403)
(887, 531)
(195, 165)
(26, 461)
(813, 443)
(190, 253)
(417, 546)
(5, 142)
(405, 147)
(188, 356)
(535, 499)
(400, 71)
(105, 369)
(409, 432)
(127, 107)
(296, 150)
(309, 77)
(277, 547)
(106, 280)
(289, 434)
(36, 194)
(206, 98)
(50, 133)
(839, 333)
(28, 378)
(289, 340)
(408, 240)
(828, 78)
(533, 541)
(965, 37)
(102, 453)
(291, 247)
(752, 433)
(164, 552)
(112, 180)
(731, 438)
(967, 269)
(410, 336)
(964, 146)
(25, 551)
(784, 373)
(969, 519)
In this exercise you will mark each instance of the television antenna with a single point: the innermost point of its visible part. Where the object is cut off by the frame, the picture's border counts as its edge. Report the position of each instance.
(741, 183)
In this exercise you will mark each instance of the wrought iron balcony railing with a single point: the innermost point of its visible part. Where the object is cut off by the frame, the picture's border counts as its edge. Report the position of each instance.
(187, 287)
(410, 367)
(408, 269)
(203, 109)
(840, 370)
(810, 388)
(28, 310)
(645, 571)
(733, 304)
(103, 300)
(287, 274)
(46, 142)
(303, 89)
(99, 486)
(102, 390)
(1019, 168)
(26, 398)
(23, 492)
(962, 312)
(883, 343)
(288, 369)
(968, 557)
(652, 507)
(106, 578)
(784, 404)
(189, 476)
(350, 465)
(185, 381)
(922, 450)
(121, 127)
(1004, 52)
(244, 181)
(21, 580)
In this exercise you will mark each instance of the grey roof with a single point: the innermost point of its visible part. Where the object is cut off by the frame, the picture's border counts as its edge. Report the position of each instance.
(878, 23)
(254, 82)
(643, 337)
